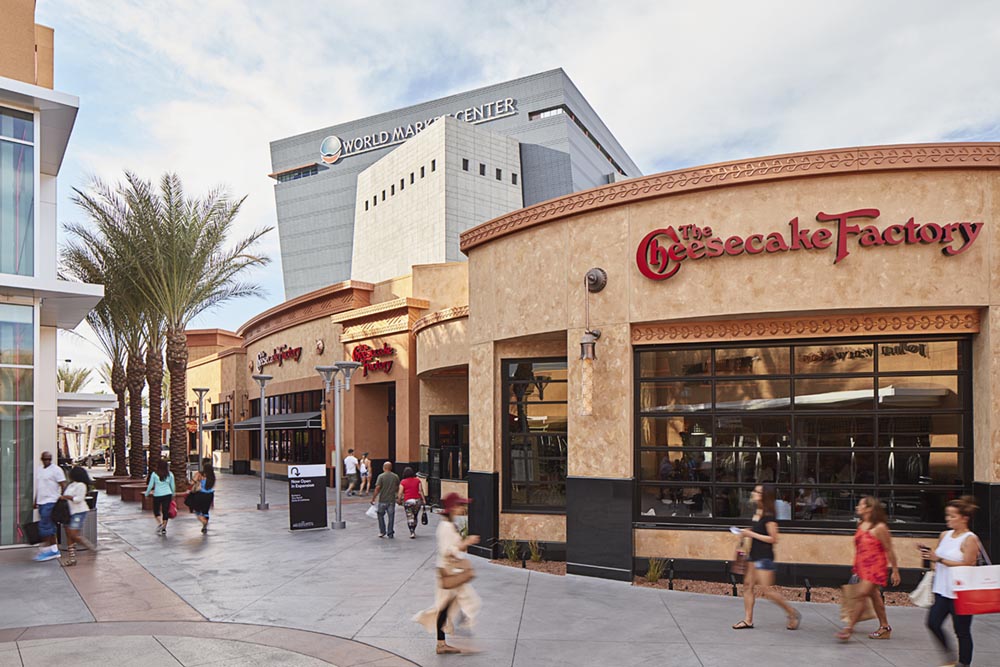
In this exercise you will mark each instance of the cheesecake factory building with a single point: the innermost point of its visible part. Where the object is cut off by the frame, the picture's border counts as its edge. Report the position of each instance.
(824, 321)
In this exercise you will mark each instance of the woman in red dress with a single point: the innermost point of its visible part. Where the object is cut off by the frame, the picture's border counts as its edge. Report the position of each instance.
(873, 553)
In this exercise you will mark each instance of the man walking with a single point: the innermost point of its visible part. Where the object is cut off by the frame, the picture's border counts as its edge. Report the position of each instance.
(49, 484)
(351, 470)
(386, 488)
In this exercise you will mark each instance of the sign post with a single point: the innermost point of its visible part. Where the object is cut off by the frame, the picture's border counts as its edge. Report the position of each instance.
(306, 497)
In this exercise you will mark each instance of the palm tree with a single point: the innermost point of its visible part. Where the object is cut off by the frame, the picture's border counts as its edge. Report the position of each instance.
(72, 381)
(154, 380)
(178, 259)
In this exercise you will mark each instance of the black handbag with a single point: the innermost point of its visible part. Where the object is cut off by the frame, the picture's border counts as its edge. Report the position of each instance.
(30, 531)
(60, 511)
(423, 517)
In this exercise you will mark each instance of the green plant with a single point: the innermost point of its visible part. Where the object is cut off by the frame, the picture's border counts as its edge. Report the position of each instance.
(510, 549)
(535, 551)
(655, 571)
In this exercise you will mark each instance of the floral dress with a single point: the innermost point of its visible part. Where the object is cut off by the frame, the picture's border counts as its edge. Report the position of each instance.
(870, 562)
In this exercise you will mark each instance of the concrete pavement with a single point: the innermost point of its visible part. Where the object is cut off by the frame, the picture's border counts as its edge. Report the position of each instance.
(353, 588)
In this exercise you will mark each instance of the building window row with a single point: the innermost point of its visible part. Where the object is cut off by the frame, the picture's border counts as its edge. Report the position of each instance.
(290, 445)
(373, 202)
(221, 439)
(498, 173)
(826, 422)
(296, 174)
(563, 109)
(17, 193)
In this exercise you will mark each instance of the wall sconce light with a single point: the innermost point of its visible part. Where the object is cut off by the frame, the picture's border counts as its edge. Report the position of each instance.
(595, 280)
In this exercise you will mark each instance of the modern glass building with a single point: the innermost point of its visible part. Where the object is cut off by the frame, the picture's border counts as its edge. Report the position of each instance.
(35, 125)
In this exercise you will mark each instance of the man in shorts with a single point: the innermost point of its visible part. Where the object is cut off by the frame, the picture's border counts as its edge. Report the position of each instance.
(49, 484)
(351, 470)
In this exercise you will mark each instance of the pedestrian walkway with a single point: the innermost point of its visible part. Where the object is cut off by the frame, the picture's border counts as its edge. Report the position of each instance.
(349, 586)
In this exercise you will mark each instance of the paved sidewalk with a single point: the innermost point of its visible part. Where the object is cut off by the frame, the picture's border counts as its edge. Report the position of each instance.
(250, 571)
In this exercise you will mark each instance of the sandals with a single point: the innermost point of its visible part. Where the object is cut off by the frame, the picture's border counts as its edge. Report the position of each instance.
(743, 625)
(794, 621)
(845, 634)
(446, 649)
(884, 632)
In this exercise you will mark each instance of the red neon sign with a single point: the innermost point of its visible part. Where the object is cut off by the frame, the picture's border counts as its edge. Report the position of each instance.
(661, 251)
(374, 359)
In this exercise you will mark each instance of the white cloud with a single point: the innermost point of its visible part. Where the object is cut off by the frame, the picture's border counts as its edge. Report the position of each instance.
(200, 88)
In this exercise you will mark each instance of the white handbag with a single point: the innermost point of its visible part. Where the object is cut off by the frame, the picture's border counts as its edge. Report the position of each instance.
(372, 512)
(923, 595)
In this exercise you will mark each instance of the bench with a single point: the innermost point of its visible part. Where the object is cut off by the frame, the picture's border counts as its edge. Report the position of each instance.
(132, 493)
(101, 482)
(113, 486)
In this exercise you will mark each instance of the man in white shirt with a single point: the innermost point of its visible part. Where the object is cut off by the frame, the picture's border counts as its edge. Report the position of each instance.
(49, 484)
(351, 470)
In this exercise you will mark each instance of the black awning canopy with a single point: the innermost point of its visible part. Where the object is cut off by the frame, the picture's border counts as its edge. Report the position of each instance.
(214, 425)
(293, 420)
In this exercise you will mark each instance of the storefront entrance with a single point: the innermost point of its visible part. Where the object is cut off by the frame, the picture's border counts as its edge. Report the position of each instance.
(375, 412)
(448, 455)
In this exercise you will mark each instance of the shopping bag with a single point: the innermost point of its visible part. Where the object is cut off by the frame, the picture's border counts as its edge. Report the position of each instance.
(372, 512)
(849, 599)
(172, 510)
(923, 595)
(977, 589)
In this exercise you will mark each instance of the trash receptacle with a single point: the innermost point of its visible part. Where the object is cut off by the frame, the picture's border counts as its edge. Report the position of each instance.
(89, 530)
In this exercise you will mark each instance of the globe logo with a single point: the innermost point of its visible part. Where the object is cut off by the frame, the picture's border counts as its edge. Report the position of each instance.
(331, 149)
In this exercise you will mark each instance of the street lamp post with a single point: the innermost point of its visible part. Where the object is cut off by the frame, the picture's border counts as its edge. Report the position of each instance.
(201, 391)
(333, 373)
(262, 380)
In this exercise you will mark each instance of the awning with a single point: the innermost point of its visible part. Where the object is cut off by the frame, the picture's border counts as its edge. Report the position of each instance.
(294, 420)
(215, 425)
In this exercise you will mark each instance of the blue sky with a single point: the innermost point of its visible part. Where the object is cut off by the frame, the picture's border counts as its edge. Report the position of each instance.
(200, 88)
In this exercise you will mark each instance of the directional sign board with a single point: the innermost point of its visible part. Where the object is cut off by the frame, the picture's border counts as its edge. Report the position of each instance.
(307, 496)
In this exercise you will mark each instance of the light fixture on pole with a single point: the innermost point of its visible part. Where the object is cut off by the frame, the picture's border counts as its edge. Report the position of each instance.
(340, 384)
(595, 280)
(201, 391)
(262, 380)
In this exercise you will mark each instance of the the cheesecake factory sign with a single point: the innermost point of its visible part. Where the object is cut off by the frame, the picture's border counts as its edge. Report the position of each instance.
(662, 251)
(374, 359)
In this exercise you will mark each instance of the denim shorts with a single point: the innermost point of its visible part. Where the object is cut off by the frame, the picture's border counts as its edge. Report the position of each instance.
(76, 521)
(764, 564)
(46, 527)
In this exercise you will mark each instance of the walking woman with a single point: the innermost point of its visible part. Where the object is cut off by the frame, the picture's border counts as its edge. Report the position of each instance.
(365, 466)
(204, 481)
(412, 497)
(760, 561)
(440, 618)
(76, 495)
(873, 553)
(161, 486)
(956, 547)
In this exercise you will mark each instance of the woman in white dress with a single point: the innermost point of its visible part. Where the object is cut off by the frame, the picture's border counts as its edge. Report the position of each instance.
(448, 603)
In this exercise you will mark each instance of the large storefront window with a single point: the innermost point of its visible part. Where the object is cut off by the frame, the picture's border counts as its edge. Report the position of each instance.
(221, 437)
(16, 419)
(298, 444)
(828, 422)
(17, 193)
(535, 434)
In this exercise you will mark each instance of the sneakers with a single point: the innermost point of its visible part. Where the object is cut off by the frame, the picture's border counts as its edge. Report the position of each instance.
(46, 554)
(204, 529)
(159, 529)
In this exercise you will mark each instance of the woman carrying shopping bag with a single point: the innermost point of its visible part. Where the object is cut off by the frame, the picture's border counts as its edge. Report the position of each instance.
(956, 547)
(412, 497)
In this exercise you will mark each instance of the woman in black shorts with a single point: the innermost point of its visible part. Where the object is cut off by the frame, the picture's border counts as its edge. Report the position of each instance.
(763, 536)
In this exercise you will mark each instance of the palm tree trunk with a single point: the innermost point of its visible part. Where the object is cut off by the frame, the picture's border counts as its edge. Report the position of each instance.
(136, 380)
(177, 358)
(154, 380)
(119, 386)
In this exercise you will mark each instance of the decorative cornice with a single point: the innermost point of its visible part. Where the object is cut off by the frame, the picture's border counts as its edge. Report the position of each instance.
(954, 321)
(773, 168)
(380, 309)
(337, 298)
(454, 313)
(373, 329)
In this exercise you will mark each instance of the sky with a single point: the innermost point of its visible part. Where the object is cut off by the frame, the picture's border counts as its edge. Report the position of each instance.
(201, 88)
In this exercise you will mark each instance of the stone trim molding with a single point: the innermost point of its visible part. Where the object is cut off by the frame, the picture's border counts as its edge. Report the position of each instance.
(915, 322)
(380, 308)
(344, 296)
(867, 159)
(454, 313)
(373, 329)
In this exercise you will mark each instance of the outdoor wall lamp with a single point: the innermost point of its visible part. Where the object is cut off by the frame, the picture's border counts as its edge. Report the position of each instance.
(594, 280)
(331, 375)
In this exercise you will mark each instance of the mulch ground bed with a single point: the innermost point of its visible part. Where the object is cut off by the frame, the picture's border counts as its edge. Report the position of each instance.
(793, 593)
(547, 566)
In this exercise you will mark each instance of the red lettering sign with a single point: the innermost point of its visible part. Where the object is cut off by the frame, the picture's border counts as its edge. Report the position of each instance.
(661, 251)
(374, 359)
(278, 356)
